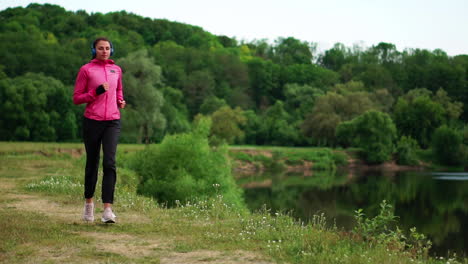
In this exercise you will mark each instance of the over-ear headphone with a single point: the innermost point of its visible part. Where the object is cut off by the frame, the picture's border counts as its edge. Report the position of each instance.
(93, 48)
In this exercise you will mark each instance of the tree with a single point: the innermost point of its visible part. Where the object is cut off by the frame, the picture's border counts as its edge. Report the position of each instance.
(226, 122)
(374, 132)
(36, 108)
(199, 86)
(141, 80)
(175, 111)
(332, 109)
(290, 51)
(211, 104)
(335, 57)
(418, 117)
(263, 81)
(309, 74)
(300, 99)
(276, 127)
(251, 127)
(447, 146)
(406, 151)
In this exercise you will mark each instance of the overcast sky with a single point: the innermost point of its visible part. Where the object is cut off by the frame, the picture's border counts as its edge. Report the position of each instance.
(426, 24)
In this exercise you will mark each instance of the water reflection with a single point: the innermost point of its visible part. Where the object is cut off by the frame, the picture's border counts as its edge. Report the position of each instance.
(435, 203)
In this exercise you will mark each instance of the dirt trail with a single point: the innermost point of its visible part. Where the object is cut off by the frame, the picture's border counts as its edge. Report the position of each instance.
(132, 246)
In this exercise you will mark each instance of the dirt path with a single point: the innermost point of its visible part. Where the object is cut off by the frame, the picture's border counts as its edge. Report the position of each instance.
(132, 246)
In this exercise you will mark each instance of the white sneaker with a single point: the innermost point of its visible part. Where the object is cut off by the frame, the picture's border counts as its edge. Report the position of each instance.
(108, 216)
(88, 212)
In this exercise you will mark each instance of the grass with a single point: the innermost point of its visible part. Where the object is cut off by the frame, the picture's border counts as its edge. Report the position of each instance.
(278, 158)
(41, 203)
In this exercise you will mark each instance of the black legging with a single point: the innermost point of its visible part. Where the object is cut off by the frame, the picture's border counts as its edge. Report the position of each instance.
(96, 133)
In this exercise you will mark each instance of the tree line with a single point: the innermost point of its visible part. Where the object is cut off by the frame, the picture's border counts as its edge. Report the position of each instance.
(257, 92)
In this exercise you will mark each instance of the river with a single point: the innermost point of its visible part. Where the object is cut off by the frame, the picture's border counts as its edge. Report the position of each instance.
(435, 203)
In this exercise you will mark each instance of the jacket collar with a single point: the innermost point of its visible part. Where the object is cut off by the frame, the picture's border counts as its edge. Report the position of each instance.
(108, 61)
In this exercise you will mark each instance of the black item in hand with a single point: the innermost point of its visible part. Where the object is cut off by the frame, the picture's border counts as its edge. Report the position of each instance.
(100, 89)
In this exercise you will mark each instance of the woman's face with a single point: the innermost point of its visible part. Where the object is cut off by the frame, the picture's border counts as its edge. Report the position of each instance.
(103, 50)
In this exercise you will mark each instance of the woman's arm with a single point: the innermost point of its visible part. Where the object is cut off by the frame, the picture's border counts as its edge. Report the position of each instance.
(120, 98)
(81, 95)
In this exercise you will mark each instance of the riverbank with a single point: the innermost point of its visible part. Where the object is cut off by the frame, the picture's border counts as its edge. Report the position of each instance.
(40, 210)
(254, 160)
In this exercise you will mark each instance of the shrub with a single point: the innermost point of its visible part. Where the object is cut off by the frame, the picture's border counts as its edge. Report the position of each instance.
(406, 151)
(340, 158)
(184, 167)
(447, 146)
(383, 229)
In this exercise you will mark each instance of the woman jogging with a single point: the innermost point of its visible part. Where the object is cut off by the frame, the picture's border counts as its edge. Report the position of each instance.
(99, 85)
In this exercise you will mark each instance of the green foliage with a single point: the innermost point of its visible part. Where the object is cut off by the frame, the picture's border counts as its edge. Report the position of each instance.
(447, 146)
(406, 151)
(292, 51)
(332, 109)
(226, 123)
(175, 111)
(36, 108)
(184, 168)
(383, 229)
(373, 132)
(142, 79)
(211, 104)
(276, 128)
(418, 117)
(340, 158)
(205, 71)
(300, 99)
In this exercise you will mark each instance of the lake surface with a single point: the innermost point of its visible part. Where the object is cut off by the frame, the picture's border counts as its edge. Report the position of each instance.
(435, 203)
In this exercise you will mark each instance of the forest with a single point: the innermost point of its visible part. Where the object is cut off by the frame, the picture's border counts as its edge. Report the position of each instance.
(282, 93)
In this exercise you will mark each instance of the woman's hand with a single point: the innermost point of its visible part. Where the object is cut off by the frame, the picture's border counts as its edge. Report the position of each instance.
(106, 86)
(121, 103)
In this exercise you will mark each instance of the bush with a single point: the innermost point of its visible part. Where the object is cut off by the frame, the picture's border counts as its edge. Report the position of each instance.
(373, 132)
(383, 229)
(406, 151)
(447, 146)
(184, 167)
(340, 158)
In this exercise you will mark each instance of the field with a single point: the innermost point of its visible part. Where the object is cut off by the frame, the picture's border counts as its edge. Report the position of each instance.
(40, 222)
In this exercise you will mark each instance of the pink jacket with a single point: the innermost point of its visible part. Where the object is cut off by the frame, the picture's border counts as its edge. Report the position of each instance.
(104, 106)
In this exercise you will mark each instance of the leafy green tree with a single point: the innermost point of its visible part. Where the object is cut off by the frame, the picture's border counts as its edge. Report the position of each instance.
(175, 111)
(142, 80)
(300, 99)
(406, 151)
(376, 76)
(36, 108)
(374, 132)
(447, 146)
(335, 57)
(263, 81)
(199, 85)
(275, 127)
(288, 51)
(226, 124)
(418, 118)
(308, 74)
(251, 127)
(171, 57)
(332, 109)
(211, 104)
(453, 109)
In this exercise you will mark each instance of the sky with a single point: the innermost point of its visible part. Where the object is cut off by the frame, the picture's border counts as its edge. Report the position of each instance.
(424, 24)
